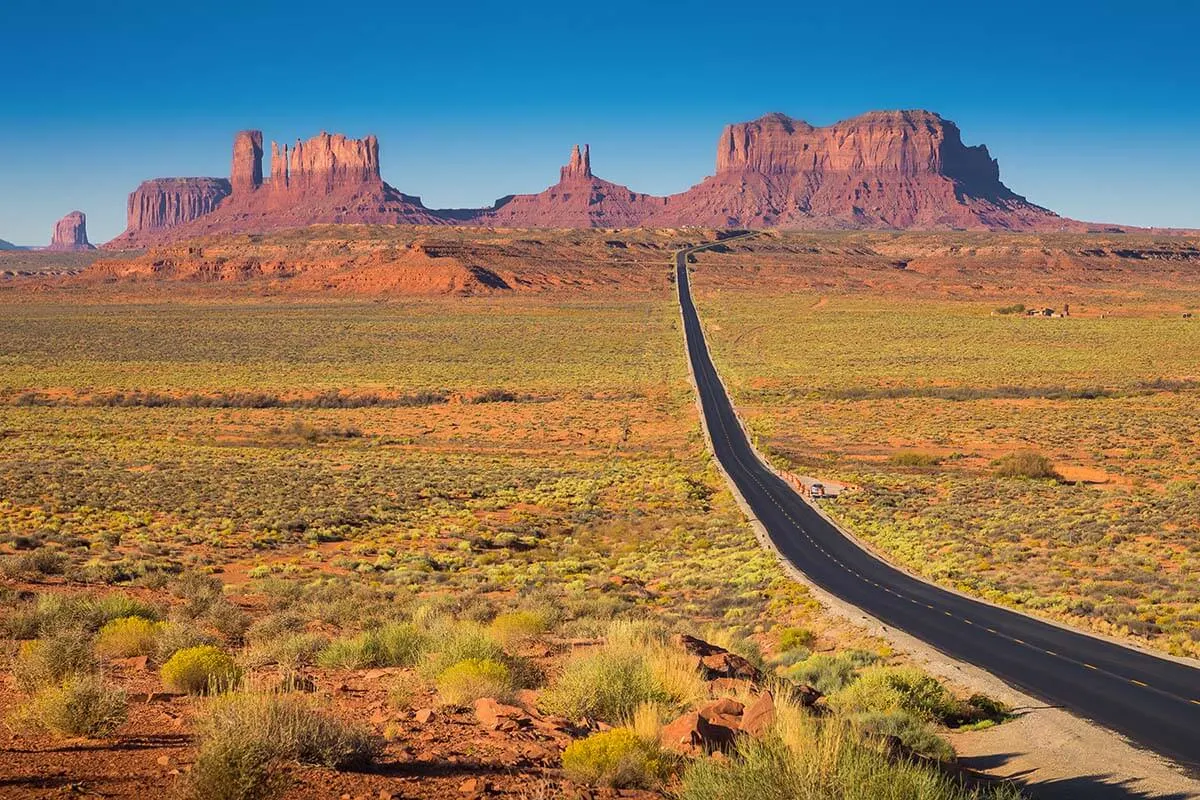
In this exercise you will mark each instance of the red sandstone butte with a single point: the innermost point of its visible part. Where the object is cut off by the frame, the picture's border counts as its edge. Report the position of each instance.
(70, 233)
(885, 169)
(881, 170)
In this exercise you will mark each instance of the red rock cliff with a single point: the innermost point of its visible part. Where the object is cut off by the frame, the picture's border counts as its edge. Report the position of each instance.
(163, 203)
(884, 169)
(70, 233)
(579, 168)
(327, 163)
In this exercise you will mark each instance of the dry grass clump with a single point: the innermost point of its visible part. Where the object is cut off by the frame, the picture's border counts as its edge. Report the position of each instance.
(1026, 464)
(467, 681)
(82, 705)
(635, 666)
(244, 737)
(399, 644)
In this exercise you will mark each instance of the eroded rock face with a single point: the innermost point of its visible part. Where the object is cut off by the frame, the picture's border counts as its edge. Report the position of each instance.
(246, 173)
(326, 163)
(579, 168)
(70, 233)
(885, 169)
(163, 203)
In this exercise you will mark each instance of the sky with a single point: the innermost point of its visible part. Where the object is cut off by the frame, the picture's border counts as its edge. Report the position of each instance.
(1092, 109)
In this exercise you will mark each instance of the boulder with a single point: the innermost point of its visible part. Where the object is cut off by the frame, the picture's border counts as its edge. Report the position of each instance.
(759, 716)
(497, 716)
(699, 732)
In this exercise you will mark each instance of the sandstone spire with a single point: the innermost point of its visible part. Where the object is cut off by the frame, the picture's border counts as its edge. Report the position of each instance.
(279, 167)
(579, 168)
(246, 175)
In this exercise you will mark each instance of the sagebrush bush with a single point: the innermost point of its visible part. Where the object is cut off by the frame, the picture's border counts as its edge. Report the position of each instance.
(127, 637)
(245, 736)
(912, 731)
(201, 670)
(909, 458)
(398, 644)
(618, 758)
(829, 673)
(517, 627)
(49, 660)
(610, 683)
(467, 681)
(884, 689)
(828, 763)
(1026, 464)
(176, 636)
(82, 705)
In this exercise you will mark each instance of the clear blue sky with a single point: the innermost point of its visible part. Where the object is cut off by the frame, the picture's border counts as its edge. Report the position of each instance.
(1093, 109)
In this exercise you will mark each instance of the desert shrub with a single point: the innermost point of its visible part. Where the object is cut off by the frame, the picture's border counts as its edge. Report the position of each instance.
(56, 613)
(829, 673)
(516, 627)
(828, 763)
(618, 758)
(176, 636)
(229, 621)
(34, 564)
(245, 736)
(127, 637)
(609, 684)
(1015, 308)
(467, 681)
(51, 659)
(398, 644)
(451, 643)
(200, 592)
(290, 650)
(1026, 464)
(82, 705)
(912, 731)
(908, 689)
(200, 670)
(909, 458)
(793, 638)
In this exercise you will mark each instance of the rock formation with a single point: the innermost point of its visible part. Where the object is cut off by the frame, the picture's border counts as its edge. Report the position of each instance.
(162, 204)
(70, 233)
(328, 179)
(246, 174)
(579, 168)
(578, 200)
(326, 163)
(885, 169)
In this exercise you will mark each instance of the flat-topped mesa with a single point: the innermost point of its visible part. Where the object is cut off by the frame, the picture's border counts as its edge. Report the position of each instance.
(907, 143)
(70, 233)
(579, 168)
(246, 173)
(327, 163)
(166, 202)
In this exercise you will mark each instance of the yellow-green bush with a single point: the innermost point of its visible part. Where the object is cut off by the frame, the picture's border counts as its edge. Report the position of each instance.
(469, 680)
(617, 758)
(518, 626)
(82, 705)
(199, 670)
(47, 661)
(1026, 464)
(127, 637)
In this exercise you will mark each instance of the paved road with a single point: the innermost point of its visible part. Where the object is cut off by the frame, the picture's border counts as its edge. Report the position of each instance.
(1153, 701)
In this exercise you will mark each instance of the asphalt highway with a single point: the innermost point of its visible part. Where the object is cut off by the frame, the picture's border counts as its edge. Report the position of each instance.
(1154, 702)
